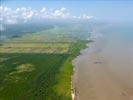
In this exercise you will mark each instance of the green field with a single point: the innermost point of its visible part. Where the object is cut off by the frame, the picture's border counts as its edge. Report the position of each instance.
(37, 76)
(38, 69)
(34, 47)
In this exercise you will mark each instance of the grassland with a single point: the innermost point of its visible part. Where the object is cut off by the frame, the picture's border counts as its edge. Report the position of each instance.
(37, 66)
(35, 47)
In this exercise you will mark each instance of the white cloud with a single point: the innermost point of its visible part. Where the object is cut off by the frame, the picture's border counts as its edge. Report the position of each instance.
(11, 21)
(86, 16)
(43, 10)
(61, 13)
(24, 14)
(63, 9)
(27, 14)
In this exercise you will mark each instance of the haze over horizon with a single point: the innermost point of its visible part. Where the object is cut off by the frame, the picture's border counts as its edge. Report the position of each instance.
(109, 10)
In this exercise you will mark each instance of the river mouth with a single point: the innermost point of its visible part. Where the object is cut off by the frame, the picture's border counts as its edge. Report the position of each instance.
(104, 70)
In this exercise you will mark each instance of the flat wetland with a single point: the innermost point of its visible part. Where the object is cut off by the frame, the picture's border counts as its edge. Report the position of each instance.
(37, 67)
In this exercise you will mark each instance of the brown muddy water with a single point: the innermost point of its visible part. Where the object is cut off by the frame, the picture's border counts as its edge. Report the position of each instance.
(104, 70)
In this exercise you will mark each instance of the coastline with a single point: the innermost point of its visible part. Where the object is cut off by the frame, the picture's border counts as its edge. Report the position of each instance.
(101, 72)
(73, 77)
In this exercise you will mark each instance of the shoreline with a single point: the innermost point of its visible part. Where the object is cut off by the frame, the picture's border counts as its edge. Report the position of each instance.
(101, 72)
(73, 80)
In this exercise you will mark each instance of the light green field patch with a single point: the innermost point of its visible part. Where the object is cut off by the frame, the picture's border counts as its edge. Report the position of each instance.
(25, 68)
(33, 37)
(3, 59)
(35, 47)
(14, 76)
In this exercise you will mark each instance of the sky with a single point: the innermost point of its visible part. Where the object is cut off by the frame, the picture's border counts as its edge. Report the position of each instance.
(106, 10)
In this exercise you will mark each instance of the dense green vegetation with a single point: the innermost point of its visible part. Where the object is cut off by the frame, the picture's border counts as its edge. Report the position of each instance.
(35, 76)
(29, 76)
(38, 66)
(63, 86)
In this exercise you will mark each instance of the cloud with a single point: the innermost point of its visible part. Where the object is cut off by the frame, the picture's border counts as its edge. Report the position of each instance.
(43, 10)
(61, 13)
(86, 16)
(10, 16)
(25, 14)
(11, 21)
